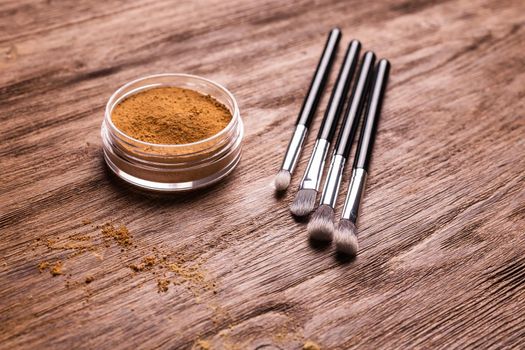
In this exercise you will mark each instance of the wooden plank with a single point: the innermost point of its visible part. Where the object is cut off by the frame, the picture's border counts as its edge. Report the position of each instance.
(441, 262)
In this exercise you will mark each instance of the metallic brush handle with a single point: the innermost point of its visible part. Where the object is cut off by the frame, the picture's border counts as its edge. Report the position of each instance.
(355, 194)
(314, 170)
(310, 102)
(333, 181)
(366, 142)
(294, 148)
(348, 130)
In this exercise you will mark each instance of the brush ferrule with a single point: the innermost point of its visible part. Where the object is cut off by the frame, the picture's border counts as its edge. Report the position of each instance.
(333, 181)
(294, 148)
(314, 170)
(355, 194)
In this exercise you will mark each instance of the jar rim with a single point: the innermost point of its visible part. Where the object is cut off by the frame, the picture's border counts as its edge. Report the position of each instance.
(110, 103)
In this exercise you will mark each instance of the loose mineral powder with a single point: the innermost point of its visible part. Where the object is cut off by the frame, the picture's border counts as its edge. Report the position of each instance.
(172, 132)
(170, 115)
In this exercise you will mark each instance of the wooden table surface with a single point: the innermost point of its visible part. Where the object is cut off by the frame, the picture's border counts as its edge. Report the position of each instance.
(442, 259)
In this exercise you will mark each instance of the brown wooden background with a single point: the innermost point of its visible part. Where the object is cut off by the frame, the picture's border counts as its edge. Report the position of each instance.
(442, 259)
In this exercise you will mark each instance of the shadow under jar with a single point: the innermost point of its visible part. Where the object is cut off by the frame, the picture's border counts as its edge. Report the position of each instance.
(173, 167)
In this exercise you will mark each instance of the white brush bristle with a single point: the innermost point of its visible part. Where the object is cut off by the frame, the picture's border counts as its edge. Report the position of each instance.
(321, 225)
(282, 180)
(304, 202)
(345, 237)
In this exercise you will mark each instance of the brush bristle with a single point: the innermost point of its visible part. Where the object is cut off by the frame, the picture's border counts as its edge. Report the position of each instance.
(282, 180)
(321, 225)
(304, 202)
(345, 237)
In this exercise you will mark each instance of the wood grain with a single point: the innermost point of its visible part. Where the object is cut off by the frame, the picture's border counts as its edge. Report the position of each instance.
(441, 263)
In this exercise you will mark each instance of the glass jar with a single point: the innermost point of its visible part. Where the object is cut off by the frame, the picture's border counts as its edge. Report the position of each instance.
(166, 167)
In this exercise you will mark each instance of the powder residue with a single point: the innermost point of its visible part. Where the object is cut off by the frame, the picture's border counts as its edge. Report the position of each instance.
(164, 267)
(163, 285)
(202, 345)
(193, 277)
(310, 345)
(146, 263)
(170, 115)
(56, 269)
(43, 266)
(120, 234)
(86, 222)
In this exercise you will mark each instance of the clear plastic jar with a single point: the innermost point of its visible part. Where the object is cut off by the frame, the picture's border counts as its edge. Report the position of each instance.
(172, 168)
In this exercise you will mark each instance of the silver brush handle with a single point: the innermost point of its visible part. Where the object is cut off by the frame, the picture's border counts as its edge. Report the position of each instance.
(333, 181)
(314, 170)
(294, 148)
(355, 194)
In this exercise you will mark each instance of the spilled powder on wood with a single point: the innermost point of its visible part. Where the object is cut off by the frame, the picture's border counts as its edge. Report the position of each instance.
(56, 269)
(310, 345)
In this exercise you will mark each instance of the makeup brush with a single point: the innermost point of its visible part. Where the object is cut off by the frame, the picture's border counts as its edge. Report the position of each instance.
(282, 180)
(304, 201)
(345, 236)
(321, 225)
